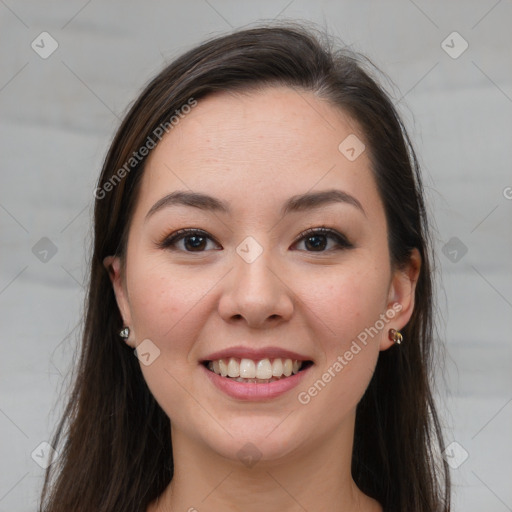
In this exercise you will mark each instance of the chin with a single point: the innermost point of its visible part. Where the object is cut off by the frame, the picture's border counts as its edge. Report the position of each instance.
(254, 441)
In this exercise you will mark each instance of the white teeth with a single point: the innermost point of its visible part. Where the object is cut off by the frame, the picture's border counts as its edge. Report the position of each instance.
(223, 368)
(288, 367)
(262, 371)
(256, 381)
(247, 369)
(233, 368)
(277, 368)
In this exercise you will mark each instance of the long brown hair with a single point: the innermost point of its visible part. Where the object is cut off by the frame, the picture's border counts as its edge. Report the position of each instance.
(116, 452)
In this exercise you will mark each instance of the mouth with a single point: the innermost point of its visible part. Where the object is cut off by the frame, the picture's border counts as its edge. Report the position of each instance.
(261, 371)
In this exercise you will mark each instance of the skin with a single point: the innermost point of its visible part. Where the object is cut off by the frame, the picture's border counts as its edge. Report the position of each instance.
(255, 150)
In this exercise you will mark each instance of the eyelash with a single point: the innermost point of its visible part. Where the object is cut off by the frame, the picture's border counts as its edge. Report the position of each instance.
(342, 243)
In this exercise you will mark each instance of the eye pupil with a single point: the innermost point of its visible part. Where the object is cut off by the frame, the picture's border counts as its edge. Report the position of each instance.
(317, 245)
(197, 243)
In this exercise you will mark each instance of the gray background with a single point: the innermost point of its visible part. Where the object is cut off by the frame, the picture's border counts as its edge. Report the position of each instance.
(58, 115)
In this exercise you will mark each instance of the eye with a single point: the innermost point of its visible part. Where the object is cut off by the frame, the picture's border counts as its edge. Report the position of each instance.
(194, 240)
(317, 239)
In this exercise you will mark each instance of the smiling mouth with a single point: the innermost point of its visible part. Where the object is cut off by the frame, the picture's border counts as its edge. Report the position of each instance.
(262, 371)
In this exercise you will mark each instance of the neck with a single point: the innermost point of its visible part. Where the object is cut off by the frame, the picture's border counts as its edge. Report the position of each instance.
(316, 478)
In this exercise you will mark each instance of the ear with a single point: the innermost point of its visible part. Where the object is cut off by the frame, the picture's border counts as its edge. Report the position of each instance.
(115, 272)
(401, 296)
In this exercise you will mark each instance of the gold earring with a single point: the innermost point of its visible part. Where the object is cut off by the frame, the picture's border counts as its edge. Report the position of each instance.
(395, 336)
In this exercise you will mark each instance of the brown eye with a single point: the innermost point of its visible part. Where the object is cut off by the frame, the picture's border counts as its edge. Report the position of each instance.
(194, 240)
(317, 240)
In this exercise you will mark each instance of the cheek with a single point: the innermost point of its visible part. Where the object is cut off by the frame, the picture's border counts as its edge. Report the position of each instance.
(346, 308)
(164, 302)
(166, 306)
(345, 299)
(346, 303)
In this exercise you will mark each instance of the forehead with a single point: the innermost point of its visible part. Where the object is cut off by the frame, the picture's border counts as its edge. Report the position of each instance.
(252, 146)
(284, 122)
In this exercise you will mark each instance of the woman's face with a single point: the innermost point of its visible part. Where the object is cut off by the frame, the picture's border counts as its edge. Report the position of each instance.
(251, 285)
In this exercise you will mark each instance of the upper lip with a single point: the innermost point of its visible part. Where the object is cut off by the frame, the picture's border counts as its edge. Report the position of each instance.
(255, 354)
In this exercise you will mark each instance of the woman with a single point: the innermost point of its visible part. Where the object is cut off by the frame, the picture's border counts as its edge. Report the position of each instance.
(261, 245)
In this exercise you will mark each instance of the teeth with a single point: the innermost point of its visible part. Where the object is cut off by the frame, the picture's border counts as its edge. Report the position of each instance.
(277, 368)
(233, 368)
(288, 367)
(223, 368)
(247, 369)
(256, 381)
(262, 371)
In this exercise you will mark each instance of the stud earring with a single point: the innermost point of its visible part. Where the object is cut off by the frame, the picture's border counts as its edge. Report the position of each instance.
(124, 333)
(395, 336)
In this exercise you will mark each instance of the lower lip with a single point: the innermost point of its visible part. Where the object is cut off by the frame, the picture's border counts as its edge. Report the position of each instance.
(254, 391)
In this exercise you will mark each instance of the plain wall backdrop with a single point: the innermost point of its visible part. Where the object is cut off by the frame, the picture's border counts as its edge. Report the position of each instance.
(69, 70)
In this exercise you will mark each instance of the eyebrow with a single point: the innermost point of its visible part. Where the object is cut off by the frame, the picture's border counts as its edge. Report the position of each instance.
(304, 202)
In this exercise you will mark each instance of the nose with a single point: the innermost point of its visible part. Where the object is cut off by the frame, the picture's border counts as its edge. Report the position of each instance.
(256, 293)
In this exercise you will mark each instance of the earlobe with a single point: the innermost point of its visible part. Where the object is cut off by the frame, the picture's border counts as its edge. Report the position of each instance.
(402, 292)
(114, 269)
